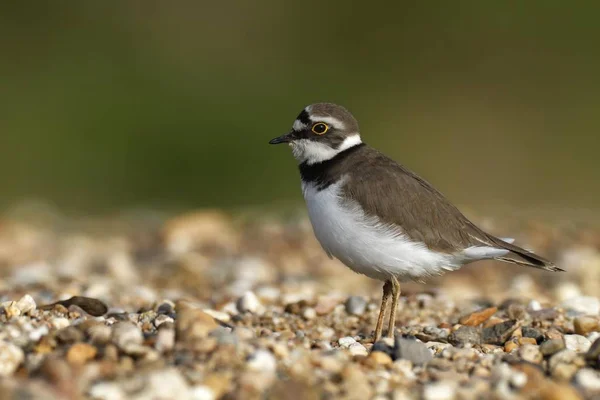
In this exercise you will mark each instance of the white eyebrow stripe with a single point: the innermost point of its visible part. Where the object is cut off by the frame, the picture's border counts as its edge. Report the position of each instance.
(298, 126)
(334, 122)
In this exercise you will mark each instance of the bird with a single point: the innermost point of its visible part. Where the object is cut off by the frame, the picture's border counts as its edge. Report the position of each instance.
(378, 217)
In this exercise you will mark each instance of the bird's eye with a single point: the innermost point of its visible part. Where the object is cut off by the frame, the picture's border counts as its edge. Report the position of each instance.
(320, 128)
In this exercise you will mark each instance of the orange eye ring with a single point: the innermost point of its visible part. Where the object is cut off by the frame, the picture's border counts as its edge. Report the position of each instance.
(320, 128)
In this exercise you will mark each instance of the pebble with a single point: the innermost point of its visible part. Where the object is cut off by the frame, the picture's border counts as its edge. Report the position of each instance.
(531, 353)
(11, 357)
(165, 340)
(126, 335)
(193, 323)
(80, 353)
(583, 304)
(10, 309)
(262, 361)
(26, 304)
(478, 317)
(248, 302)
(411, 349)
(379, 358)
(577, 343)
(59, 323)
(498, 334)
(202, 392)
(107, 391)
(465, 335)
(443, 390)
(309, 313)
(533, 333)
(588, 379)
(593, 354)
(346, 341)
(99, 334)
(357, 349)
(550, 347)
(355, 305)
(585, 325)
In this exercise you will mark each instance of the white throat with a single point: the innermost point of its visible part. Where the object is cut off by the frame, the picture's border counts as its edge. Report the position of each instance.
(312, 152)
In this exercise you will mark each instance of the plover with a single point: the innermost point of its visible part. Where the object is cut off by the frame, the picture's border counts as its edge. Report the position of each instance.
(379, 218)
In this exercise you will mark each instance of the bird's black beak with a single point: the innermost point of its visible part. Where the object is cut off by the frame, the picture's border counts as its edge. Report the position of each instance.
(288, 137)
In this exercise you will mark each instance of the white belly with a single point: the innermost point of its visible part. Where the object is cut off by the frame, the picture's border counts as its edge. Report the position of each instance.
(366, 245)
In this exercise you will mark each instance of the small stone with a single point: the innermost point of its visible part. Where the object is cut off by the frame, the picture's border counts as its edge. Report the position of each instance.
(443, 390)
(379, 358)
(106, 391)
(11, 357)
(411, 349)
(510, 346)
(355, 305)
(465, 335)
(249, 303)
(99, 334)
(10, 309)
(309, 313)
(325, 305)
(161, 319)
(563, 372)
(80, 353)
(26, 304)
(165, 340)
(478, 317)
(583, 304)
(531, 353)
(526, 340)
(59, 323)
(166, 308)
(577, 343)
(202, 392)
(532, 333)
(193, 323)
(346, 341)
(70, 334)
(553, 346)
(588, 379)
(357, 349)
(125, 335)
(499, 333)
(593, 354)
(218, 315)
(262, 361)
(585, 325)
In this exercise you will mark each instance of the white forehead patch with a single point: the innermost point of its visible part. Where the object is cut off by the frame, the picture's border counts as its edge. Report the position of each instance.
(299, 126)
(329, 120)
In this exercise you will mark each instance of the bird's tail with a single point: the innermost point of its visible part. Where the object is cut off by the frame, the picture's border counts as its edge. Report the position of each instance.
(520, 256)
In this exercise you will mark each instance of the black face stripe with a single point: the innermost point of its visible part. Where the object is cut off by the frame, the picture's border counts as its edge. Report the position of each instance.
(304, 118)
(328, 172)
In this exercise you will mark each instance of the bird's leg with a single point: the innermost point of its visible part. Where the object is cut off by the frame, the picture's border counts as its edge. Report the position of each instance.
(387, 290)
(395, 283)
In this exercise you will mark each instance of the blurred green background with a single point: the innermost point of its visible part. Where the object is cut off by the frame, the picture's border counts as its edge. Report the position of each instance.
(115, 105)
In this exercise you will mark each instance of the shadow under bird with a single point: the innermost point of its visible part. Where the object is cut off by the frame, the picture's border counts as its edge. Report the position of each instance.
(379, 218)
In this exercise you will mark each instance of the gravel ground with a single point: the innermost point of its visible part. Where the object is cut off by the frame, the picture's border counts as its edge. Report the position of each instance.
(203, 306)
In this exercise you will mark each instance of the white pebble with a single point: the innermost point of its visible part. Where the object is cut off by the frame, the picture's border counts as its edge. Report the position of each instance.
(577, 343)
(59, 323)
(249, 303)
(309, 313)
(534, 305)
(588, 379)
(346, 341)
(357, 349)
(125, 335)
(202, 392)
(106, 391)
(218, 315)
(584, 304)
(26, 304)
(443, 390)
(11, 357)
(262, 361)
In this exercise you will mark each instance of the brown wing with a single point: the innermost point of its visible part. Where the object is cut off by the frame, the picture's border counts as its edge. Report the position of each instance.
(398, 196)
